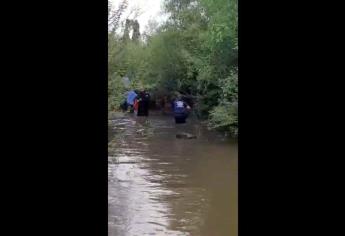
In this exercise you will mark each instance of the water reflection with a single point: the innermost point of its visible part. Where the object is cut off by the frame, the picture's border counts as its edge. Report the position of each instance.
(160, 185)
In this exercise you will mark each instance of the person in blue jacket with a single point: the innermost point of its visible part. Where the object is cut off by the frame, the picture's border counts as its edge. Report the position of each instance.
(181, 110)
(130, 99)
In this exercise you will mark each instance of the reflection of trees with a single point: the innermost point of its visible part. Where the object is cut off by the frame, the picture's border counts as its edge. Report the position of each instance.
(171, 183)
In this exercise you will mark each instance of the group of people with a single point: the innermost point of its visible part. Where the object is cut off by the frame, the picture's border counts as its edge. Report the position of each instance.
(138, 103)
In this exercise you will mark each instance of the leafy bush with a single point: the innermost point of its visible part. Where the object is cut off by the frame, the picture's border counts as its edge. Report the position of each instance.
(116, 92)
(224, 117)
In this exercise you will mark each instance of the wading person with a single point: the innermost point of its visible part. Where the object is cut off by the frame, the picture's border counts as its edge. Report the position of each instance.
(181, 110)
(130, 100)
(143, 103)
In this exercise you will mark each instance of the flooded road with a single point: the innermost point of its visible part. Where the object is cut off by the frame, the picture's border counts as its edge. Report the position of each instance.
(161, 185)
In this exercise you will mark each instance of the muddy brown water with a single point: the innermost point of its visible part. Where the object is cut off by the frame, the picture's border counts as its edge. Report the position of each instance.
(161, 185)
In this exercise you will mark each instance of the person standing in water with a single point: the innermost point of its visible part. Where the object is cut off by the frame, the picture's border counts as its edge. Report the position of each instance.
(130, 100)
(143, 103)
(181, 110)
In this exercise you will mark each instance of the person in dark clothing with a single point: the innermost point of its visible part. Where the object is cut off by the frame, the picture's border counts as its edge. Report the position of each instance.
(144, 101)
(180, 109)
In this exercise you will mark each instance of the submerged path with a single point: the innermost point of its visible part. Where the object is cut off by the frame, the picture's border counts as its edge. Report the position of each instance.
(161, 185)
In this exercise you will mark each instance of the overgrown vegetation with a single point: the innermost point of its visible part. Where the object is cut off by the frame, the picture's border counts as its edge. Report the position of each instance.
(194, 52)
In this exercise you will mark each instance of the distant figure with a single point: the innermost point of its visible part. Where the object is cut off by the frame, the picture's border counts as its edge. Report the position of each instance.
(181, 110)
(130, 100)
(143, 103)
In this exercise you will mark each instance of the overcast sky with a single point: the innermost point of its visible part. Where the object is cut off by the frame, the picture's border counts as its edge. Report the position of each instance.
(150, 9)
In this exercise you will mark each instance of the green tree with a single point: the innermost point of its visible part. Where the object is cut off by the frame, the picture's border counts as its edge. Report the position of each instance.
(194, 52)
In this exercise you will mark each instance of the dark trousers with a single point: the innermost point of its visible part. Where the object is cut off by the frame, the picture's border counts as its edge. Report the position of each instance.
(143, 108)
(131, 108)
(180, 119)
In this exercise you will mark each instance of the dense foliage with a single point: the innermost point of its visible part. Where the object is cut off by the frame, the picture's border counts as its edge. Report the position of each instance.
(194, 52)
